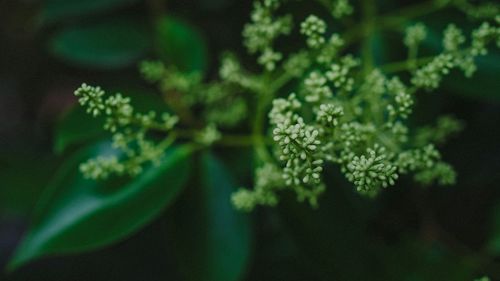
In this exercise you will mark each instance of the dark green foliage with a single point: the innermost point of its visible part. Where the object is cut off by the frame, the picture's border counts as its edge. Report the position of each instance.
(113, 43)
(78, 214)
(213, 241)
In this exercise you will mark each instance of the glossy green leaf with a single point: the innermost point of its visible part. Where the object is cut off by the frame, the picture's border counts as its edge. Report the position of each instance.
(54, 10)
(110, 44)
(76, 126)
(180, 44)
(78, 215)
(212, 238)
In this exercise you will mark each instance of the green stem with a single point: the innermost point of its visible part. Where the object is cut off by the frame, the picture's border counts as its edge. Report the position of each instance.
(366, 50)
(403, 65)
(391, 20)
(258, 128)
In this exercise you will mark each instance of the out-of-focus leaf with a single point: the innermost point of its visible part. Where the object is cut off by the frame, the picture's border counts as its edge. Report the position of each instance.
(239, 161)
(110, 44)
(181, 45)
(79, 215)
(213, 240)
(54, 10)
(493, 244)
(76, 126)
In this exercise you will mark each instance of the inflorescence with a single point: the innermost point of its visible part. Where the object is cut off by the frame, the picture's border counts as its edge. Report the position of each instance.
(342, 111)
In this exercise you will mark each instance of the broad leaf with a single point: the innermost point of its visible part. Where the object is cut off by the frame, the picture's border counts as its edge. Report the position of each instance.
(212, 238)
(54, 10)
(78, 214)
(181, 45)
(110, 44)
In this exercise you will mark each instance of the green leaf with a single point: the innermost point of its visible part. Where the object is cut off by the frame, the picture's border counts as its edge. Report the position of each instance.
(493, 244)
(181, 45)
(213, 239)
(55, 10)
(106, 45)
(78, 215)
(76, 126)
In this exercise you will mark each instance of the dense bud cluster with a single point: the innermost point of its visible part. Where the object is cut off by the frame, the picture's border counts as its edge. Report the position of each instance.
(129, 133)
(353, 117)
(313, 28)
(415, 34)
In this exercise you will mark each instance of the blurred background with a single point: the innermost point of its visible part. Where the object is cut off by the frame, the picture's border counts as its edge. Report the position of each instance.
(48, 48)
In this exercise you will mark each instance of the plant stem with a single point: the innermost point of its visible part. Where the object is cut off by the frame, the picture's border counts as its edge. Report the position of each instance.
(258, 127)
(368, 28)
(403, 65)
(391, 20)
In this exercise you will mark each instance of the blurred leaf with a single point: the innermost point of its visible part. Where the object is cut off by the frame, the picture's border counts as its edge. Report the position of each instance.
(213, 239)
(110, 44)
(239, 161)
(79, 215)
(54, 10)
(493, 244)
(77, 127)
(180, 44)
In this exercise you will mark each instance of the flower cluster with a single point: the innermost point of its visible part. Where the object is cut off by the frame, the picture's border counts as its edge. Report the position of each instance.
(430, 75)
(415, 34)
(353, 119)
(371, 171)
(268, 180)
(129, 131)
(260, 34)
(313, 28)
(341, 8)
